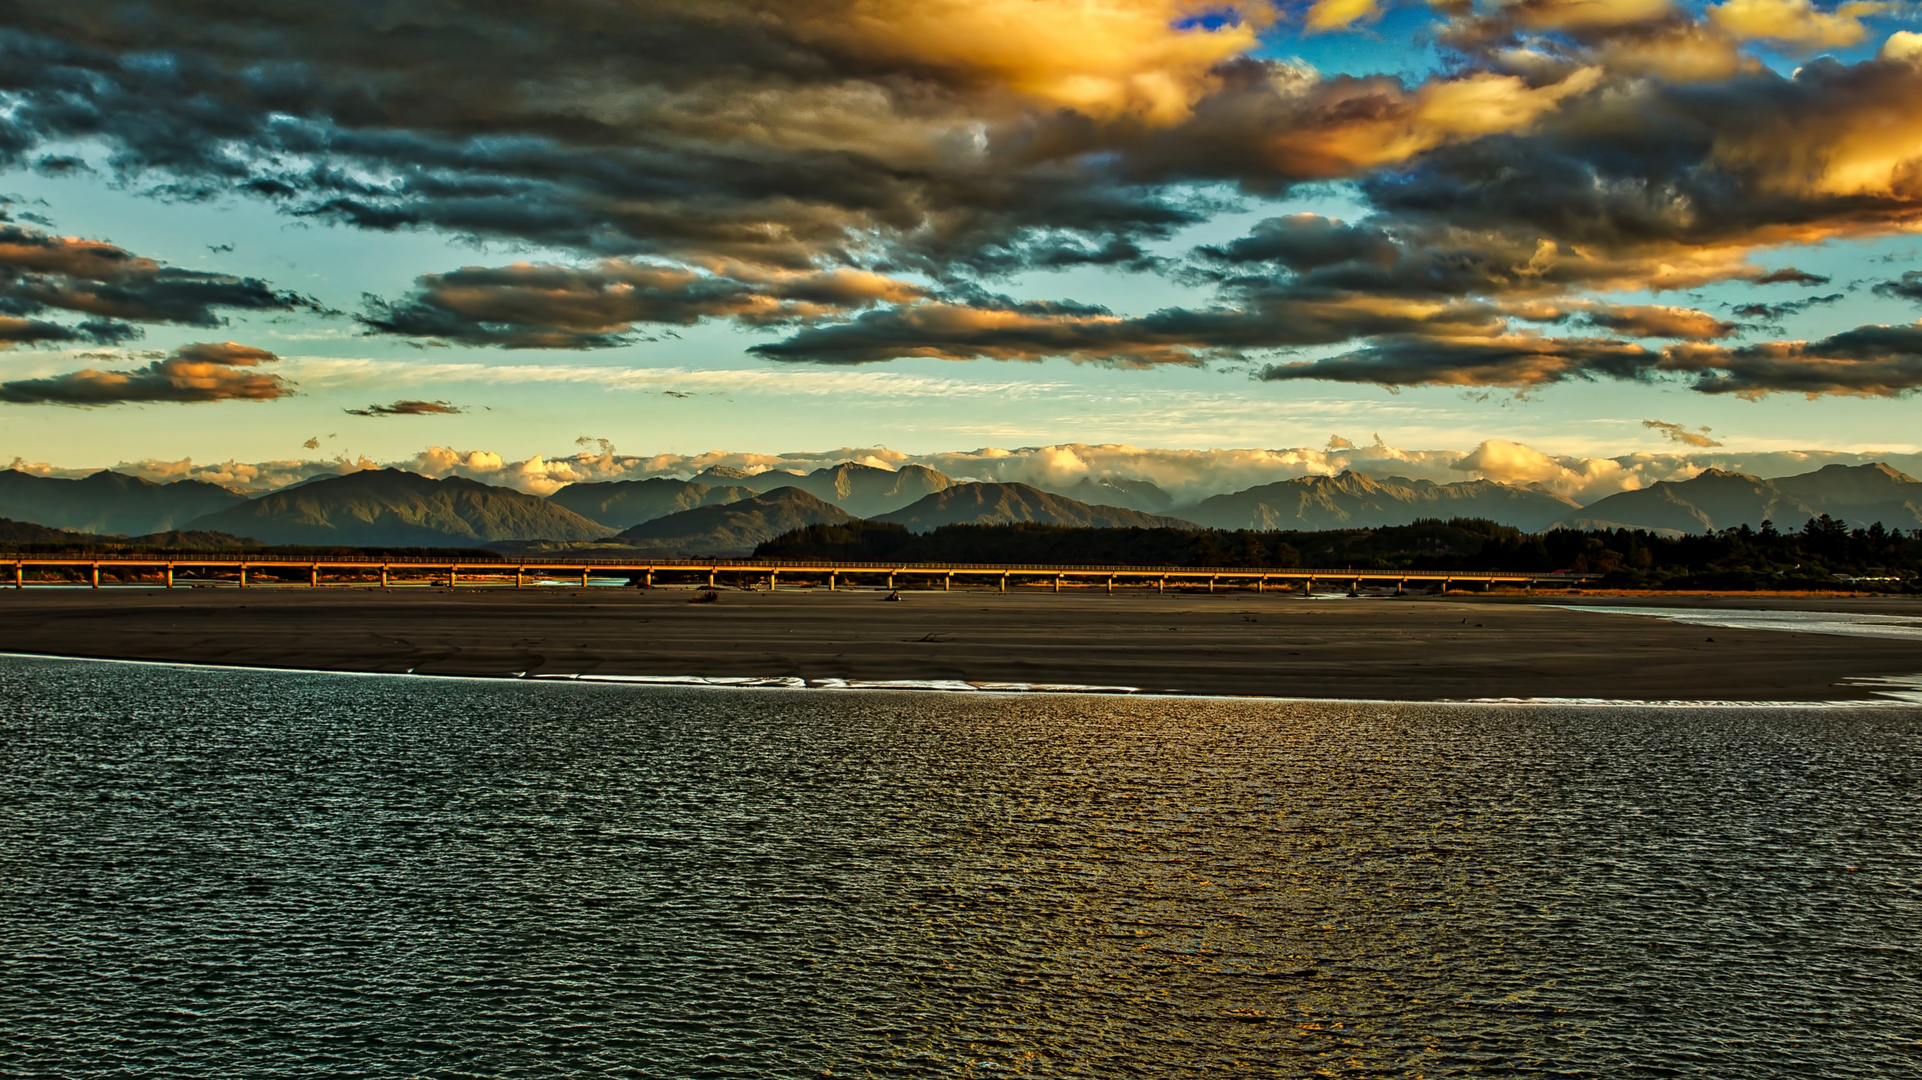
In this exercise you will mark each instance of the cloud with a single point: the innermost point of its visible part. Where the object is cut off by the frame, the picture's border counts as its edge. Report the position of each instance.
(1869, 361)
(224, 371)
(860, 172)
(1186, 474)
(1676, 433)
(1659, 322)
(1791, 276)
(406, 408)
(1906, 287)
(1520, 361)
(528, 306)
(1796, 22)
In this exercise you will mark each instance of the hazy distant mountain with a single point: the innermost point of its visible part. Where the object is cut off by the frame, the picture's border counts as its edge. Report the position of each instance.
(996, 504)
(861, 490)
(734, 528)
(1858, 495)
(17, 534)
(622, 504)
(392, 508)
(1353, 500)
(109, 502)
(1119, 491)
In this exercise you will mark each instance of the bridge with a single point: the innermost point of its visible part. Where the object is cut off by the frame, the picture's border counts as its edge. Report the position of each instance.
(280, 571)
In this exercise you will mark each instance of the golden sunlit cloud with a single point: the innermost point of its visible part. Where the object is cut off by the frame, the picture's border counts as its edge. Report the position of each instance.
(1796, 22)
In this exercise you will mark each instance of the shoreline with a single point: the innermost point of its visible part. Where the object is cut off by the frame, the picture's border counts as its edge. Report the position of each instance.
(1904, 693)
(1275, 647)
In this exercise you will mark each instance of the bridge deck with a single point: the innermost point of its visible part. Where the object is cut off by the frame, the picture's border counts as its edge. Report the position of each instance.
(410, 568)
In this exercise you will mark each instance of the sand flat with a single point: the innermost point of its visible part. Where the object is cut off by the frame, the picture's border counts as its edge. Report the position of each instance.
(1243, 643)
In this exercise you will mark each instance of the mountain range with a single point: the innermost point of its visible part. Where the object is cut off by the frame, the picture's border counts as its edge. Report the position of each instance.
(391, 507)
(109, 502)
(1856, 495)
(1000, 504)
(1355, 501)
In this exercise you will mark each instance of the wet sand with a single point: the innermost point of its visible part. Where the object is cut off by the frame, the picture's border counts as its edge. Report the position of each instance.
(1273, 645)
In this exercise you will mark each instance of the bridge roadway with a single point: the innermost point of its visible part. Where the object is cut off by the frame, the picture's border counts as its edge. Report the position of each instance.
(368, 571)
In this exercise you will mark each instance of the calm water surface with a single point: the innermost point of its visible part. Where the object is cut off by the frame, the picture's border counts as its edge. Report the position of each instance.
(220, 874)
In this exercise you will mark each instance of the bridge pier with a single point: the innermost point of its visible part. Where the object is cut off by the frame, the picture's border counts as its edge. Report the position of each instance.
(647, 578)
(1401, 587)
(1004, 583)
(243, 575)
(947, 583)
(383, 575)
(773, 579)
(1211, 583)
(831, 576)
(520, 577)
(96, 575)
(1057, 584)
(313, 576)
(890, 581)
(1445, 583)
(1308, 588)
(20, 576)
(1161, 585)
(1110, 585)
(453, 577)
(710, 577)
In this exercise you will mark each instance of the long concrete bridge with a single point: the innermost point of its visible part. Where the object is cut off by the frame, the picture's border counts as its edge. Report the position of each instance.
(279, 571)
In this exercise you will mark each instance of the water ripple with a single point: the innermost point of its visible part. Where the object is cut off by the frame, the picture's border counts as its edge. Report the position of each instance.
(239, 874)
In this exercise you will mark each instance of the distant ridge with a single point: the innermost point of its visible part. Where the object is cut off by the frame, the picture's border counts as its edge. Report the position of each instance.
(735, 528)
(1354, 500)
(109, 502)
(998, 504)
(389, 507)
(20, 534)
(861, 490)
(1856, 495)
(1141, 495)
(623, 504)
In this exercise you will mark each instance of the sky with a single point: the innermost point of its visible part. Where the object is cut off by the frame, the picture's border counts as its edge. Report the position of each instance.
(1587, 243)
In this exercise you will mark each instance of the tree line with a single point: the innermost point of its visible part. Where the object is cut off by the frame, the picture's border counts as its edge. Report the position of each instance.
(1822, 554)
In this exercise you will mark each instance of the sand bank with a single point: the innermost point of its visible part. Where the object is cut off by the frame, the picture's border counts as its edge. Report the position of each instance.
(1270, 645)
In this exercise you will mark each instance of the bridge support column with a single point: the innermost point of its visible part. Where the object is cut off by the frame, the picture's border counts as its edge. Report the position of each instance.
(520, 577)
(830, 581)
(773, 579)
(710, 577)
(1308, 588)
(1161, 585)
(947, 583)
(890, 579)
(453, 577)
(647, 578)
(1445, 583)
(1211, 584)
(243, 575)
(1110, 584)
(1004, 583)
(583, 577)
(1354, 587)
(383, 575)
(96, 575)
(20, 576)
(1401, 587)
(1261, 585)
(313, 576)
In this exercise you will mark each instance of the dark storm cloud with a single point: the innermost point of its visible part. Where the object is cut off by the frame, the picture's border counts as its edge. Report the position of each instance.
(210, 371)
